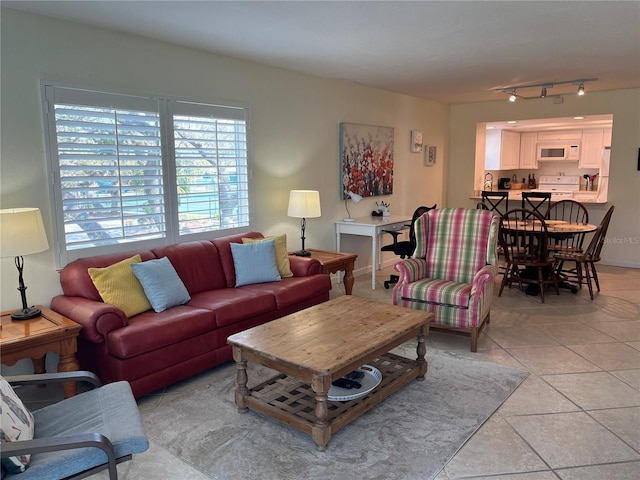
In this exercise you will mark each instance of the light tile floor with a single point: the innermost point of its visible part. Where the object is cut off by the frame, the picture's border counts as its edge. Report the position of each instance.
(576, 417)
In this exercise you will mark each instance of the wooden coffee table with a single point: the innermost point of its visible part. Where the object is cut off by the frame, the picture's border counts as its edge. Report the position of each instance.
(316, 346)
(51, 332)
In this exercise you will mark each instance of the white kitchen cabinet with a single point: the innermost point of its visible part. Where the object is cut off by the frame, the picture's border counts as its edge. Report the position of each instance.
(502, 150)
(607, 137)
(528, 157)
(560, 136)
(591, 149)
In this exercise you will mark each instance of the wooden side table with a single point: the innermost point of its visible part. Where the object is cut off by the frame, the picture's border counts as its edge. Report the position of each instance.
(333, 262)
(51, 332)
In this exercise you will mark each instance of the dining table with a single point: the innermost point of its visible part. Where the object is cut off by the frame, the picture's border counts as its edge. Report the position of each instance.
(557, 229)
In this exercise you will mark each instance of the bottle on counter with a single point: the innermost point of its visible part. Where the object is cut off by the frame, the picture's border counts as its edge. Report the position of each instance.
(533, 180)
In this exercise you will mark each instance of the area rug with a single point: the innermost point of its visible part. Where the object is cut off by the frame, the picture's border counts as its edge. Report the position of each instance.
(411, 435)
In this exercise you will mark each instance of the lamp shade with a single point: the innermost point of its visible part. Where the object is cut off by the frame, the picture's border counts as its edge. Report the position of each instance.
(354, 196)
(304, 204)
(21, 232)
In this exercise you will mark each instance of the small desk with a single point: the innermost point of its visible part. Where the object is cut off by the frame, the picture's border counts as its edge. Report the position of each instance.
(372, 227)
(333, 262)
(51, 332)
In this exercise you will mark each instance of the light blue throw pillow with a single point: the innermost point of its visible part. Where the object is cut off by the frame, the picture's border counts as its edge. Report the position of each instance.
(255, 262)
(161, 283)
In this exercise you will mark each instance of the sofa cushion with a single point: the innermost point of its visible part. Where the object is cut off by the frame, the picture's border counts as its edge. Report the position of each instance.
(255, 262)
(151, 331)
(75, 280)
(291, 291)
(282, 254)
(197, 263)
(232, 305)
(118, 286)
(438, 291)
(161, 284)
(16, 424)
(223, 246)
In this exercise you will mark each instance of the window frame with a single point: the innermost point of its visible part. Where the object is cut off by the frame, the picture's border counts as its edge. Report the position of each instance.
(167, 107)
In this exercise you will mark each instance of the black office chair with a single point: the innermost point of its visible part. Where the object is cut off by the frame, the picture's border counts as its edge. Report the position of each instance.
(404, 249)
(538, 202)
(496, 201)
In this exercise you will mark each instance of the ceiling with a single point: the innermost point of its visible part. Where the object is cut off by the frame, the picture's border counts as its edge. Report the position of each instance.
(447, 51)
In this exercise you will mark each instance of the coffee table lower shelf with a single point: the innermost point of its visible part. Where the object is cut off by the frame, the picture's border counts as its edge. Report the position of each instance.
(293, 402)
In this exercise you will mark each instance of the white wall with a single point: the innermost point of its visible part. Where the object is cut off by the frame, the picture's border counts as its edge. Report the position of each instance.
(295, 129)
(623, 238)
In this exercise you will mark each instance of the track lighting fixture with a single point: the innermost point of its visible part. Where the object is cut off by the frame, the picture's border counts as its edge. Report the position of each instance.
(513, 95)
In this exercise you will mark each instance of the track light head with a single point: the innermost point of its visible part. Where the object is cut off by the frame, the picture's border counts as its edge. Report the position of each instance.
(581, 89)
(513, 97)
(543, 92)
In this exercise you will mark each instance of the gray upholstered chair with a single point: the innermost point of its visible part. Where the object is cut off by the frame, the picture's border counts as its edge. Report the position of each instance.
(78, 436)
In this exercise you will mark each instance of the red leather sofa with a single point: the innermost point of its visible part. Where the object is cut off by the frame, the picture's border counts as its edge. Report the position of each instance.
(152, 350)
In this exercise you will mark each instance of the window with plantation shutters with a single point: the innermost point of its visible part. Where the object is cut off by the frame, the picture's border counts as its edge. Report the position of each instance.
(136, 172)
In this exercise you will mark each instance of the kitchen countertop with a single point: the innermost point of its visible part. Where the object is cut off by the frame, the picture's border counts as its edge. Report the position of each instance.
(583, 196)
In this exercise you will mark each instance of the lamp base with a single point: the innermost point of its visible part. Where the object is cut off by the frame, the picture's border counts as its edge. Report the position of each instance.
(26, 314)
(348, 219)
(302, 253)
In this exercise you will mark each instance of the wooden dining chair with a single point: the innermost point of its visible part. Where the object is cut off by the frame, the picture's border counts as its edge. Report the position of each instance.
(585, 268)
(538, 202)
(524, 238)
(567, 211)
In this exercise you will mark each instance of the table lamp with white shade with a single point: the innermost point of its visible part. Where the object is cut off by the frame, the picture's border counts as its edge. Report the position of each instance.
(304, 204)
(22, 233)
(355, 198)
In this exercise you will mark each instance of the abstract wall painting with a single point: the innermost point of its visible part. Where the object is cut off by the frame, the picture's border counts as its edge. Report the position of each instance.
(366, 156)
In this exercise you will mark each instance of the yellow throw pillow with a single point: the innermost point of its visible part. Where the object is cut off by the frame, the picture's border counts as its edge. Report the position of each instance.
(118, 286)
(282, 256)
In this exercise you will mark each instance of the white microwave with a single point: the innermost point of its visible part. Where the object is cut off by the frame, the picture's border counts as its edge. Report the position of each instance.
(558, 151)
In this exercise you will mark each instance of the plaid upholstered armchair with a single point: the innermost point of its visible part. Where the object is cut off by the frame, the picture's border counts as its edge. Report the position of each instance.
(453, 269)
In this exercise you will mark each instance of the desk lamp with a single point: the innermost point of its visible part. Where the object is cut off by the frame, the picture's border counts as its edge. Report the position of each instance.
(22, 233)
(304, 204)
(356, 198)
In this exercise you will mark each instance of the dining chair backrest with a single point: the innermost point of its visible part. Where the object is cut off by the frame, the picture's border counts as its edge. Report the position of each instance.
(592, 252)
(569, 211)
(496, 201)
(538, 202)
(523, 237)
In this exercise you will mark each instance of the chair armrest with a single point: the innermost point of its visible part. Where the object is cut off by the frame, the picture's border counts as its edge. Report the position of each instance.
(54, 444)
(59, 377)
(395, 234)
(410, 270)
(486, 274)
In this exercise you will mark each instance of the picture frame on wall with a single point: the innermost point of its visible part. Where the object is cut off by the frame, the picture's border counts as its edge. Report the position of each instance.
(416, 141)
(366, 160)
(430, 155)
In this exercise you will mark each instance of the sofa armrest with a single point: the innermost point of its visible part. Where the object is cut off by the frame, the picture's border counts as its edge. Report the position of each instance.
(410, 270)
(97, 318)
(304, 266)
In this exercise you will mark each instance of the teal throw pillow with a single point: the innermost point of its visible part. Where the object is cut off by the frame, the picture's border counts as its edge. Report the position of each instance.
(161, 283)
(255, 262)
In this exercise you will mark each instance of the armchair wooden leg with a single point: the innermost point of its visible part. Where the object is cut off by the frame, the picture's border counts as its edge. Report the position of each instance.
(474, 339)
